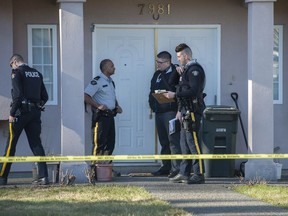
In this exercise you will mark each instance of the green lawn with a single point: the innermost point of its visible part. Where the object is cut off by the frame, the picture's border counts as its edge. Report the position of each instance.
(109, 200)
(275, 195)
(82, 200)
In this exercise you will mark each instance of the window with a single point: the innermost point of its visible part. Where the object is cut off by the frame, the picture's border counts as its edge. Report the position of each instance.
(278, 65)
(42, 55)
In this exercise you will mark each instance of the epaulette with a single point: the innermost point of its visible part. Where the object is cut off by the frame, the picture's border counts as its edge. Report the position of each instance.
(94, 82)
(196, 65)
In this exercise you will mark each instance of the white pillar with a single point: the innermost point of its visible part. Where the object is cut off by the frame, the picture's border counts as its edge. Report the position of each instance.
(72, 84)
(260, 89)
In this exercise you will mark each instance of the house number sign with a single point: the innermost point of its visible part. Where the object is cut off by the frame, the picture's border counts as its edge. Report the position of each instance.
(154, 9)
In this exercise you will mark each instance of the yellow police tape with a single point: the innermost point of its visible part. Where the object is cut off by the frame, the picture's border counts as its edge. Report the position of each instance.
(137, 157)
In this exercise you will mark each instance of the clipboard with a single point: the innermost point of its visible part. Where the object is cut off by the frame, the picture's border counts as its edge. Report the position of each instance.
(161, 98)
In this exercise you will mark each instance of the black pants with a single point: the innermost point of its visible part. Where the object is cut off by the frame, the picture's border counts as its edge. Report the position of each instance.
(103, 135)
(190, 144)
(31, 123)
(170, 144)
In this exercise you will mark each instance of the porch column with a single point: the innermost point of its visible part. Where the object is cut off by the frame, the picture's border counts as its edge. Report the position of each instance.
(260, 89)
(72, 84)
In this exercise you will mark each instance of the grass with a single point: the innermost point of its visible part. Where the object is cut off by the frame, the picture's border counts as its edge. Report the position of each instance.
(275, 195)
(82, 200)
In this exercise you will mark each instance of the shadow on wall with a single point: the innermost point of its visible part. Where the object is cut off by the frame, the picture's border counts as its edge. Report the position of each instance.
(4, 133)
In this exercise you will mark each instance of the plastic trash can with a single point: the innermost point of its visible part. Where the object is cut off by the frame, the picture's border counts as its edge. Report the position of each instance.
(218, 134)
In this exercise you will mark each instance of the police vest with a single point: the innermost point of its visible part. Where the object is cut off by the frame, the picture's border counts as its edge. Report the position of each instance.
(184, 88)
(184, 82)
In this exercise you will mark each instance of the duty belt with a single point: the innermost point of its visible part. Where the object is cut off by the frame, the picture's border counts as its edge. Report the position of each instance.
(31, 104)
(28, 106)
(107, 113)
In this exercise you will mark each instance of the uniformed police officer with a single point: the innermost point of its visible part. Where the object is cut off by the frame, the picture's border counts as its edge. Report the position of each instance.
(100, 94)
(28, 98)
(190, 109)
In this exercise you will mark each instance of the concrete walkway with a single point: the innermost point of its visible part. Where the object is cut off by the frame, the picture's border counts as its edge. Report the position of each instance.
(214, 198)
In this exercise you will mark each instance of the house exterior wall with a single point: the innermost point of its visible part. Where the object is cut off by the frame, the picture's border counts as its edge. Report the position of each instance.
(24, 13)
(6, 41)
(280, 110)
(230, 14)
(6, 44)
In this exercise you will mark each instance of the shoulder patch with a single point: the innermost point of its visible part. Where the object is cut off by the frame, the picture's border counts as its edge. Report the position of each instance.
(93, 82)
(13, 75)
(195, 73)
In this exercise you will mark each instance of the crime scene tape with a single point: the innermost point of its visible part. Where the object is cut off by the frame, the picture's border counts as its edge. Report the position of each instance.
(21, 159)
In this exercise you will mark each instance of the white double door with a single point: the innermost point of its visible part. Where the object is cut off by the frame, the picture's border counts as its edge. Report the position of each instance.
(133, 50)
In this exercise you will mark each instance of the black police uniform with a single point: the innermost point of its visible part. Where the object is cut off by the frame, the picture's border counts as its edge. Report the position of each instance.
(163, 114)
(28, 97)
(190, 96)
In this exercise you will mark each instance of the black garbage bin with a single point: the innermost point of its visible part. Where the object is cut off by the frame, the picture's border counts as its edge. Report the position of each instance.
(218, 134)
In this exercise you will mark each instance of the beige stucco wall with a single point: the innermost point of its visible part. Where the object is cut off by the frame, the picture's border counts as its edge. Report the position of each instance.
(6, 44)
(280, 110)
(230, 14)
(23, 13)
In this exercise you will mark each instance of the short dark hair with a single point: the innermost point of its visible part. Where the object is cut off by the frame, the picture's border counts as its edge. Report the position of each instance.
(17, 58)
(103, 64)
(185, 48)
(164, 55)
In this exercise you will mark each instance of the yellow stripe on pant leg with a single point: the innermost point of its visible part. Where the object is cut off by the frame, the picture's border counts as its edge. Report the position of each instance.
(95, 141)
(8, 149)
(197, 144)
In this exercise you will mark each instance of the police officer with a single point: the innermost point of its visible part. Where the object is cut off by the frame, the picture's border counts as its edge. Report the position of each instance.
(100, 94)
(164, 113)
(28, 98)
(190, 109)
